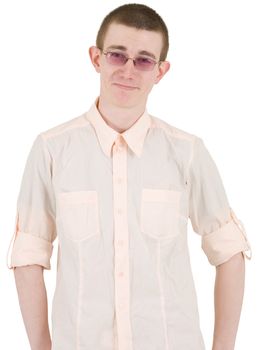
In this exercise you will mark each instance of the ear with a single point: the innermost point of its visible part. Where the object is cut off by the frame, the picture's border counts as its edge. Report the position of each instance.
(162, 70)
(94, 54)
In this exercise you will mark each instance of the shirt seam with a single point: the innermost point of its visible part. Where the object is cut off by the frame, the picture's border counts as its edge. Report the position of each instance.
(51, 133)
(47, 154)
(190, 161)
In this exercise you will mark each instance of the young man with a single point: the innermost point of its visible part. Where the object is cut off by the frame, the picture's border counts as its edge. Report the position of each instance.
(117, 185)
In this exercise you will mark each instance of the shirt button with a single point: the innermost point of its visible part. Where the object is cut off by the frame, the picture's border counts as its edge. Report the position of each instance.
(119, 211)
(121, 274)
(120, 243)
(119, 180)
(119, 143)
(120, 307)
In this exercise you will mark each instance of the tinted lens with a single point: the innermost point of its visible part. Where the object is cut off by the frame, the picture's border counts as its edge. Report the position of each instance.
(119, 59)
(144, 63)
(116, 58)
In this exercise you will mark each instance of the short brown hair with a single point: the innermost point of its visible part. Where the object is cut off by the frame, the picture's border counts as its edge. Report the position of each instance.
(137, 16)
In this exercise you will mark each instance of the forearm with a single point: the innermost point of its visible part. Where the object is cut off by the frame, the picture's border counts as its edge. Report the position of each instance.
(228, 298)
(33, 303)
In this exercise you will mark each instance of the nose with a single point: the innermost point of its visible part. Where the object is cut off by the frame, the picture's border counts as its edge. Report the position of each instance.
(128, 68)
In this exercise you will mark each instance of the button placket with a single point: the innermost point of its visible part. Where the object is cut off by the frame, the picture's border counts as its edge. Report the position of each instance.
(121, 251)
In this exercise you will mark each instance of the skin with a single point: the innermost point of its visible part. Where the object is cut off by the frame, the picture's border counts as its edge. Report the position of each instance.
(123, 96)
(33, 304)
(228, 298)
(119, 106)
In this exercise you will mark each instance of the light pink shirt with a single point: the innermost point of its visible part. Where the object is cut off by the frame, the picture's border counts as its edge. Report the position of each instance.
(119, 205)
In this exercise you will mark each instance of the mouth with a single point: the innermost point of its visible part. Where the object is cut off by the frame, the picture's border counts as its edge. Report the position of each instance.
(125, 87)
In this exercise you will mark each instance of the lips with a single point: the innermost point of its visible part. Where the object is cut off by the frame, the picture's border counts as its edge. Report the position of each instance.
(125, 87)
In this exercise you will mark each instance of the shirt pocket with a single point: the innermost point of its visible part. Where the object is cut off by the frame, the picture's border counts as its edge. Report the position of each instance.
(160, 213)
(79, 214)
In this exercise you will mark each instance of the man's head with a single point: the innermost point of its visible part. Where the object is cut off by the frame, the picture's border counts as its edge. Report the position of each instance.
(136, 16)
(136, 32)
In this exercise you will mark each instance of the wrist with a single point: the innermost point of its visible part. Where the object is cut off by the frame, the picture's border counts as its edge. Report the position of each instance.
(46, 345)
(218, 345)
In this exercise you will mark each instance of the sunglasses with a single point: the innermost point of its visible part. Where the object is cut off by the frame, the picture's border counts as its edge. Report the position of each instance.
(120, 59)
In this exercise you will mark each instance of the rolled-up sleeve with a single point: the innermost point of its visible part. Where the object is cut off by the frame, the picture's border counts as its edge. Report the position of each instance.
(211, 215)
(35, 230)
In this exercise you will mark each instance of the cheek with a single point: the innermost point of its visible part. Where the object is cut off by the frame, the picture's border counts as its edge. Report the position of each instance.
(148, 82)
(106, 74)
(105, 80)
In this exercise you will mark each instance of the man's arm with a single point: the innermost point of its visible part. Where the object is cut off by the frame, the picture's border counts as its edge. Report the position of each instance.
(33, 303)
(228, 298)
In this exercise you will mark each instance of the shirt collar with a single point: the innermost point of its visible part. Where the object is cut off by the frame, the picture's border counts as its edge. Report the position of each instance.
(134, 136)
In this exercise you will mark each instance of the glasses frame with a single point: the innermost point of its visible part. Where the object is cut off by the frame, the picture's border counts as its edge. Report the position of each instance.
(129, 58)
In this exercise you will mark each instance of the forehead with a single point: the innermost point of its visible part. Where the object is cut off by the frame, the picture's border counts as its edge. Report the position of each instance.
(133, 39)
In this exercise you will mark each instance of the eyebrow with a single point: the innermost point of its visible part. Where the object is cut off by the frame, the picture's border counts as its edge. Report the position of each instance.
(123, 48)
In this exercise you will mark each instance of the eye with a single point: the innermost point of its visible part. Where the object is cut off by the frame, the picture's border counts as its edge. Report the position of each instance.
(117, 55)
(145, 61)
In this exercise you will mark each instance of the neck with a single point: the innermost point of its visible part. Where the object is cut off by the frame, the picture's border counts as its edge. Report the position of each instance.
(118, 118)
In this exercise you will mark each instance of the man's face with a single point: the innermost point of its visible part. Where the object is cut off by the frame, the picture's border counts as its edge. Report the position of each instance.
(126, 86)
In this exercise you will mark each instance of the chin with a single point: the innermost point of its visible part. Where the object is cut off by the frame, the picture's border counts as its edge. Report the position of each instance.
(124, 101)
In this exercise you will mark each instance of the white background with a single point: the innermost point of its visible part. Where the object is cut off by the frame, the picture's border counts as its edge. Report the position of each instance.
(46, 78)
